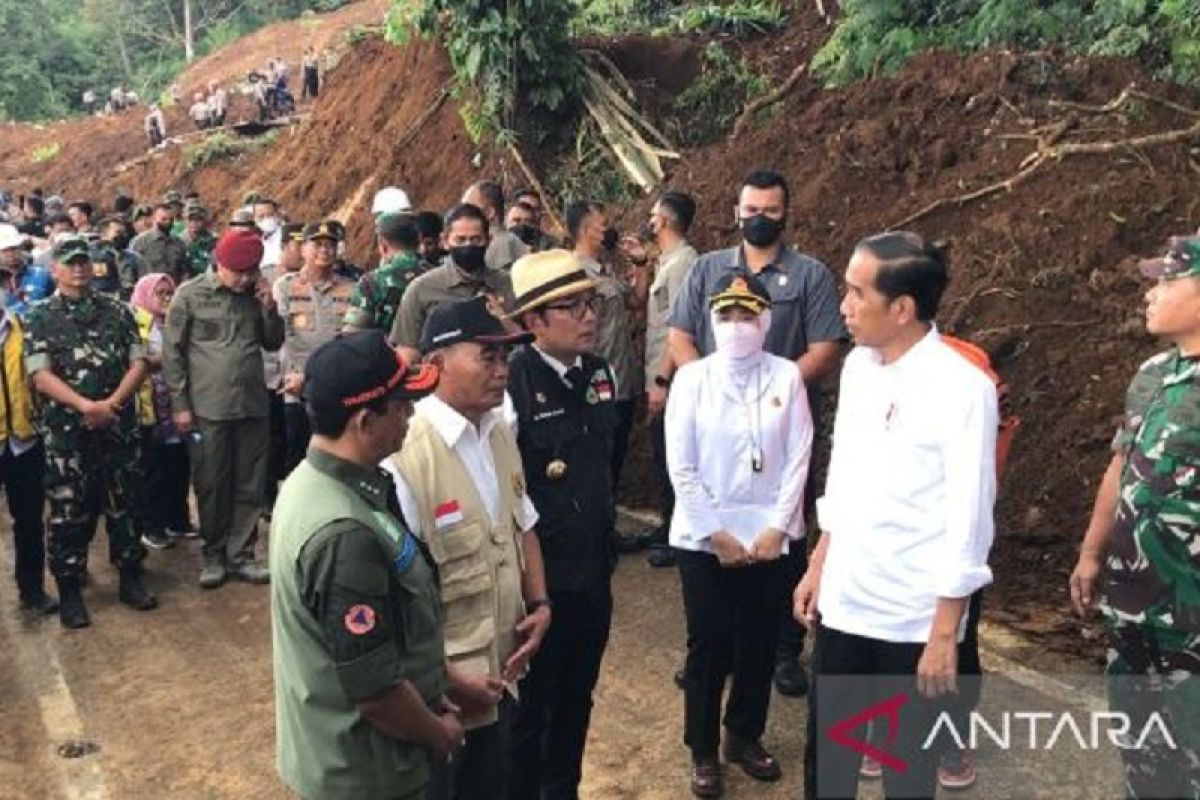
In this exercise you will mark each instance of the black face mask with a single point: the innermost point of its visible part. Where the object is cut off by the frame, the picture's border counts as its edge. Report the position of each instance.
(761, 230)
(165, 228)
(121, 241)
(611, 237)
(526, 233)
(647, 234)
(469, 257)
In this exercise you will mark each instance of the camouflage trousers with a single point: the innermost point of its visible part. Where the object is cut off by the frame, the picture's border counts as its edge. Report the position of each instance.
(89, 473)
(1157, 671)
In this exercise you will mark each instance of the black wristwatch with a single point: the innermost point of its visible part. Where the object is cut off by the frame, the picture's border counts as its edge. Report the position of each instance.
(533, 605)
(662, 382)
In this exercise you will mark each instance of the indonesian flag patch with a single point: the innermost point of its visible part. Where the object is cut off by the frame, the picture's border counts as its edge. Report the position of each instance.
(447, 514)
(604, 390)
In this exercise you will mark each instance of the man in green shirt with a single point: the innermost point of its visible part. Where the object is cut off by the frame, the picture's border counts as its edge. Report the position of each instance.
(217, 327)
(199, 240)
(377, 297)
(364, 698)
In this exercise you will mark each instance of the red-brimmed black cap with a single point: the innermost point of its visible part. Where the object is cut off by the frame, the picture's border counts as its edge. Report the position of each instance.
(355, 369)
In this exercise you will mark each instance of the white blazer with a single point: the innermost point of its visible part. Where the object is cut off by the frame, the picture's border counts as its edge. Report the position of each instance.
(710, 433)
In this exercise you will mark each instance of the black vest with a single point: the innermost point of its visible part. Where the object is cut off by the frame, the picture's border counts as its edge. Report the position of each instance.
(569, 431)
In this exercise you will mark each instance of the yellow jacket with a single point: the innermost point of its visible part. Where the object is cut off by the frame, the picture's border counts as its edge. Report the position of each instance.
(145, 394)
(16, 404)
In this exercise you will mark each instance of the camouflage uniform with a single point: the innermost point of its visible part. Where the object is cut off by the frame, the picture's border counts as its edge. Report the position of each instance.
(200, 253)
(89, 343)
(376, 299)
(1151, 582)
(114, 272)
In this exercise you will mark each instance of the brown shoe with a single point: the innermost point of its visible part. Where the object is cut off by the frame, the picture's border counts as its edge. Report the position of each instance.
(706, 778)
(753, 758)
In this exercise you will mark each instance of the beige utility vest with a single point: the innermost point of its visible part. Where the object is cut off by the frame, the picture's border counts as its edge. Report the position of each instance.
(480, 562)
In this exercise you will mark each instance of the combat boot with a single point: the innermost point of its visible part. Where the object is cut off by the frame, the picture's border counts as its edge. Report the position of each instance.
(72, 613)
(133, 592)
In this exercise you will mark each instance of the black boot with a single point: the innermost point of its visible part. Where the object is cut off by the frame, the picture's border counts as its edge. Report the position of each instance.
(133, 592)
(72, 613)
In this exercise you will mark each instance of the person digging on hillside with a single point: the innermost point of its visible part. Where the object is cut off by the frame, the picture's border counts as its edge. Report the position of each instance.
(198, 239)
(1140, 558)
(200, 113)
(503, 247)
(461, 276)
(218, 104)
(806, 326)
(217, 327)
(313, 303)
(84, 358)
(595, 243)
(377, 297)
(563, 398)
(460, 452)
(261, 91)
(312, 79)
(155, 125)
(670, 219)
(159, 249)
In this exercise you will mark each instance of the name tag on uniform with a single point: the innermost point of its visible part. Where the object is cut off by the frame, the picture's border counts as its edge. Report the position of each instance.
(447, 514)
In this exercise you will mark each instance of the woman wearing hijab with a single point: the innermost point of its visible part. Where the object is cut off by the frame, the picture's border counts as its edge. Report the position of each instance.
(738, 433)
(163, 501)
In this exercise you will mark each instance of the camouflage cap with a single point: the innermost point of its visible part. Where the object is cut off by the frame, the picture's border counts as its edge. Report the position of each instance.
(69, 248)
(1182, 259)
(172, 197)
(195, 211)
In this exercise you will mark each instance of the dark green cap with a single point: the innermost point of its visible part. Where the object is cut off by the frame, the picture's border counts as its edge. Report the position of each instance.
(70, 247)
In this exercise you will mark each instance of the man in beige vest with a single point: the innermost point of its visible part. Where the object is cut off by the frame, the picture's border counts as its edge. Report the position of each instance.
(461, 487)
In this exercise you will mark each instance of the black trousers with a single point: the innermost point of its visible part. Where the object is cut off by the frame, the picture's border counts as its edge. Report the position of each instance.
(625, 409)
(550, 729)
(277, 449)
(21, 477)
(311, 83)
(166, 480)
(867, 672)
(791, 632)
(732, 623)
(658, 442)
(479, 771)
(297, 433)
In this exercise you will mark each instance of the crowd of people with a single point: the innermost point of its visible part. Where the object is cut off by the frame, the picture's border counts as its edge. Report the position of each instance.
(436, 443)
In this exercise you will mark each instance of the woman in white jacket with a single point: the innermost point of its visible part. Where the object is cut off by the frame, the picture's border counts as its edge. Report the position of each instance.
(739, 434)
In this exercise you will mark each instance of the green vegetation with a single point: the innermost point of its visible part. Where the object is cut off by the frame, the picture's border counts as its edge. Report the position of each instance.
(705, 110)
(223, 146)
(878, 36)
(47, 152)
(525, 51)
(664, 17)
(54, 50)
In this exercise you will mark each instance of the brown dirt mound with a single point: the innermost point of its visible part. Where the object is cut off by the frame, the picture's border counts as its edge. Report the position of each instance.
(1043, 273)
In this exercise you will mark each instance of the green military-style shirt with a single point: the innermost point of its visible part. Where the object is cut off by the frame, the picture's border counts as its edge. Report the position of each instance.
(212, 354)
(200, 253)
(355, 611)
(89, 343)
(1152, 573)
(439, 285)
(161, 252)
(377, 297)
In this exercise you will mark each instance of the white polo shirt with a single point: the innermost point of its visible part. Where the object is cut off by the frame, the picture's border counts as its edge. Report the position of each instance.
(910, 493)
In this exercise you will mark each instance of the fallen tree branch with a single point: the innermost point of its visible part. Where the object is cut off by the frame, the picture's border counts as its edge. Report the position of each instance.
(1044, 155)
(1029, 326)
(1124, 97)
(426, 115)
(769, 99)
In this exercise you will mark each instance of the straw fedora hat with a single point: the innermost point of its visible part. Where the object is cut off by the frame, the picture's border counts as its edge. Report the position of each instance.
(541, 278)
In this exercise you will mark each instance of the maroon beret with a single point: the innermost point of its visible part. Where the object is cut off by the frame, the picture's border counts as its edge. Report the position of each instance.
(239, 250)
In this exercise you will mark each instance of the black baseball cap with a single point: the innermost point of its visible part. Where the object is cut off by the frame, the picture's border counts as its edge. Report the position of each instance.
(352, 370)
(459, 321)
(293, 232)
(321, 230)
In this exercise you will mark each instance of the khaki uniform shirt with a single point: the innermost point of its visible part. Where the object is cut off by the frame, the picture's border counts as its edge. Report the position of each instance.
(313, 313)
(447, 282)
(212, 358)
(673, 266)
(503, 250)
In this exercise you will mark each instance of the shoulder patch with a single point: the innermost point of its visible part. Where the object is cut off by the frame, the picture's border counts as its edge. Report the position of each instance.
(360, 619)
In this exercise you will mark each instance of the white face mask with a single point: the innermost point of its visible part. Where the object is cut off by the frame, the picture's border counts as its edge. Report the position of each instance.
(268, 225)
(739, 339)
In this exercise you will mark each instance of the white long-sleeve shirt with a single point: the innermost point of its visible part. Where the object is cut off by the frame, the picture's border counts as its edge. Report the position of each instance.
(711, 432)
(911, 488)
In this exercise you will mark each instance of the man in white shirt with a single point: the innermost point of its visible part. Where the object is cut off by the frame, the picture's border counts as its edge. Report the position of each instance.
(461, 487)
(270, 222)
(906, 517)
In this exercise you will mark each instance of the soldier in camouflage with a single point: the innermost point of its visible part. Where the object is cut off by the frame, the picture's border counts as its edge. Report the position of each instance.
(85, 361)
(1140, 559)
(115, 268)
(199, 240)
(376, 299)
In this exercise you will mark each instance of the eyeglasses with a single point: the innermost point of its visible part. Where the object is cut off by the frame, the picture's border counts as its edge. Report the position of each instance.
(577, 307)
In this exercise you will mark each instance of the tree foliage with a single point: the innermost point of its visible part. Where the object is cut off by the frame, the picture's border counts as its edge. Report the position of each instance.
(54, 50)
(878, 36)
